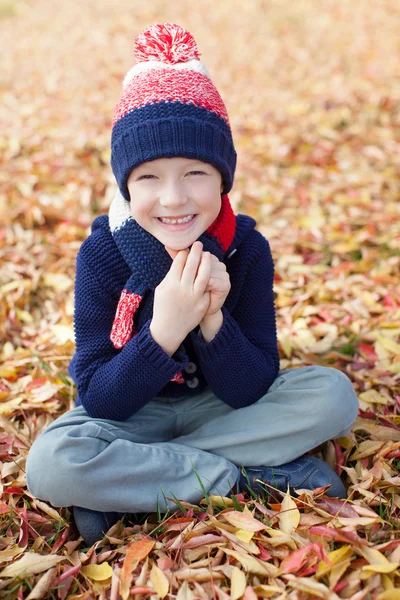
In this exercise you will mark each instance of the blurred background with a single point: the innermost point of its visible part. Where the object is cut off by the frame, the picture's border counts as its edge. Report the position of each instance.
(312, 89)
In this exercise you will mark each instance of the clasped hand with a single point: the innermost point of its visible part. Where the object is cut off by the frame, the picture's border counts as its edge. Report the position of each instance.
(194, 288)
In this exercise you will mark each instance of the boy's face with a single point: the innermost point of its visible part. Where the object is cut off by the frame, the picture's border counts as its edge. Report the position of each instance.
(175, 188)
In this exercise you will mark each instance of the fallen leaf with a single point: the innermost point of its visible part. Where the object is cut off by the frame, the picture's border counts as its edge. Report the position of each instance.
(289, 516)
(31, 564)
(159, 581)
(97, 572)
(238, 583)
(243, 521)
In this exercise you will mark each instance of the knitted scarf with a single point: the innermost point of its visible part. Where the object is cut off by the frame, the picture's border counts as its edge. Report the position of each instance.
(150, 262)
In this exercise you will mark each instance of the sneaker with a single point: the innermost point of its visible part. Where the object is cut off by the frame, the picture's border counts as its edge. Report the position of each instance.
(306, 472)
(93, 524)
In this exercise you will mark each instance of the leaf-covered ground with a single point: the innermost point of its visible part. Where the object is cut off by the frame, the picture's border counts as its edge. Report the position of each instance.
(313, 91)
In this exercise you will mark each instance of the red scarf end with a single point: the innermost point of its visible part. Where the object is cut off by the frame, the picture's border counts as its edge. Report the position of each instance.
(123, 328)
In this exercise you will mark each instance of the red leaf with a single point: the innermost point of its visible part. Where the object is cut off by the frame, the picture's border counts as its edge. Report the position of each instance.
(368, 352)
(343, 536)
(12, 490)
(337, 507)
(35, 383)
(4, 508)
(264, 555)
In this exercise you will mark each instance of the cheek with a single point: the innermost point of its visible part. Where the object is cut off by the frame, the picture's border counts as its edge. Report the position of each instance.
(141, 211)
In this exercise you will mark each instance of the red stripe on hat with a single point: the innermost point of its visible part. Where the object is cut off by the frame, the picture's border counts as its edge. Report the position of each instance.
(170, 85)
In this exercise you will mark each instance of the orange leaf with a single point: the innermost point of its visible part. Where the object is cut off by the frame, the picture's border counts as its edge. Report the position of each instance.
(137, 551)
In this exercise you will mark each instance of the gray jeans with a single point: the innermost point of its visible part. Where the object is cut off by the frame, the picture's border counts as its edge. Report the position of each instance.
(128, 466)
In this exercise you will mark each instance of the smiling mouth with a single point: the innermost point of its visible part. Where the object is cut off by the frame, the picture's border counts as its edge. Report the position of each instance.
(176, 220)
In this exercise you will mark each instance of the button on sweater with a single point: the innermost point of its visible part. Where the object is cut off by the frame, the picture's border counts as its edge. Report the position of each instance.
(238, 365)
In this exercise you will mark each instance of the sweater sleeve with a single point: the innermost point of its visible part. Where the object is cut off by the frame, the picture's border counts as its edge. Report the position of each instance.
(114, 384)
(241, 362)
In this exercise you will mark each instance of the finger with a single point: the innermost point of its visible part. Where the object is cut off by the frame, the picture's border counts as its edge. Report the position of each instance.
(217, 268)
(218, 285)
(178, 264)
(203, 275)
(171, 252)
(192, 264)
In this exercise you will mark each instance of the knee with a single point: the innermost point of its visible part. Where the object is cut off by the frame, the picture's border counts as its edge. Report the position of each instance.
(49, 475)
(339, 402)
(39, 467)
(59, 462)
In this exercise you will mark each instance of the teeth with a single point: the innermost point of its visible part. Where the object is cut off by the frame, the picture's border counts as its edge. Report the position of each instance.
(175, 221)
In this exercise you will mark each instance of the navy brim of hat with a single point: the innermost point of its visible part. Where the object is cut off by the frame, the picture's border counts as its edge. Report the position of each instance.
(170, 129)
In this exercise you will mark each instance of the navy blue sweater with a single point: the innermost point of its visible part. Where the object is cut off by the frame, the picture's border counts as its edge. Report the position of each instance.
(239, 364)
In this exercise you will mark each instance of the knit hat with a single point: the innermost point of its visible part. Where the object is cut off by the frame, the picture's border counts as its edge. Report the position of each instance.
(170, 107)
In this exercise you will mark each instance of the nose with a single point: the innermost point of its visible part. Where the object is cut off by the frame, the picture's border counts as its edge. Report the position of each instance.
(173, 195)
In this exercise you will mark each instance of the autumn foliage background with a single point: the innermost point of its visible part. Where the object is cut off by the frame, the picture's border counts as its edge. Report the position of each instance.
(312, 89)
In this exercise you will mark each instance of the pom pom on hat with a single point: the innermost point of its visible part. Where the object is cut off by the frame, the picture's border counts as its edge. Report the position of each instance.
(167, 43)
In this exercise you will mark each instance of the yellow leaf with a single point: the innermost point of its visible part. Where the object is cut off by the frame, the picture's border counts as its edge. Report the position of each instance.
(335, 557)
(310, 586)
(278, 538)
(8, 350)
(337, 572)
(31, 564)
(374, 557)
(52, 512)
(285, 344)
(354, 521)
(250, 546)
(387, 582)
(372, 397)
(289, 517)
(97, 572)
(6, 371)
(57, 281)
(388, 344)
(11, 552)
(366, 448)
(252, 565)
(218, 501)
(266, 591)
(243, 520)
(23, 316)
(62, 334)
(343, 247)
(244, 536)
(159, 581)
(238, 583)
(389, 568)
(389, 595)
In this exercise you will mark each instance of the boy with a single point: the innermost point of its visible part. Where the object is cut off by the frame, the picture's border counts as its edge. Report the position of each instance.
(176, 362)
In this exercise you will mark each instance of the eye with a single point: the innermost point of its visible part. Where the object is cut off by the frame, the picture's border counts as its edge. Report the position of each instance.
(196, 173)
(145, 177)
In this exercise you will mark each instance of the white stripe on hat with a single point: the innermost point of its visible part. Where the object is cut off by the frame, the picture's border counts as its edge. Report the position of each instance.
(190, 65)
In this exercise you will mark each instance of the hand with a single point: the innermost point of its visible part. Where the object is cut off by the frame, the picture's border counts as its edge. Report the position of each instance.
(181, 299)
(219, 284)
